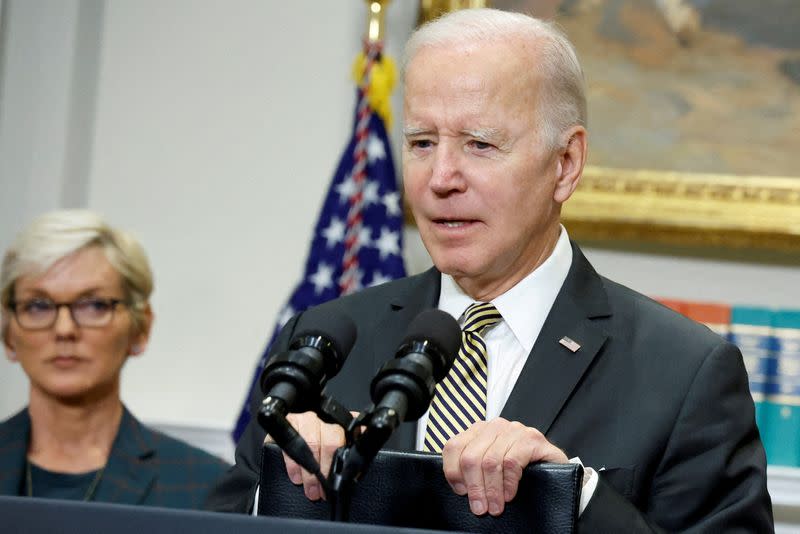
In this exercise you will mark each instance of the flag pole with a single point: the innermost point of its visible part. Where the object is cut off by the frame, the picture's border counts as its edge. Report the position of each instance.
(372, 56)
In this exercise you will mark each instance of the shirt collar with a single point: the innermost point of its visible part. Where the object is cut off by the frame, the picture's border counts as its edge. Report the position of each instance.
(525, 306)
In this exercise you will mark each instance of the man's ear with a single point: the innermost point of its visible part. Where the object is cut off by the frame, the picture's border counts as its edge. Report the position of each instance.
(569, 166)
(141, 338)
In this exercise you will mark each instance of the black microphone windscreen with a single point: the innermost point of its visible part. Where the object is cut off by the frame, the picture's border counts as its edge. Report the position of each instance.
(440, 329)
(337, 328)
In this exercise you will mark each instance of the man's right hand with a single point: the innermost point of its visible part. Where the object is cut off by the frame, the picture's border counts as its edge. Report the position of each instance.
(323, 440)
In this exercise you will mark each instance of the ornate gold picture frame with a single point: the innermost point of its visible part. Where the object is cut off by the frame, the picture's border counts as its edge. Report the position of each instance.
(686, 209)
(694, 120)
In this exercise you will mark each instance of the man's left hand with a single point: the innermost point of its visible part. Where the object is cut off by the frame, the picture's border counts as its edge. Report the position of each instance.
(485, 462)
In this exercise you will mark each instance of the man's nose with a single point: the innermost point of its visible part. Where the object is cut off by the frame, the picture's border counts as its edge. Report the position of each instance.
(447, 172)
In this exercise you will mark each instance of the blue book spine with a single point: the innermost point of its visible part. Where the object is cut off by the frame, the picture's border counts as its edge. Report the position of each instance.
(751, 331)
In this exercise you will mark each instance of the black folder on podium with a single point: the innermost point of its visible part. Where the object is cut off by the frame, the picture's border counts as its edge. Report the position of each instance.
(408, 489)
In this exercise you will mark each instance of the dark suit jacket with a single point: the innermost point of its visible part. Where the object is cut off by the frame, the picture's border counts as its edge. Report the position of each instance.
(144, 467)
(657, 403)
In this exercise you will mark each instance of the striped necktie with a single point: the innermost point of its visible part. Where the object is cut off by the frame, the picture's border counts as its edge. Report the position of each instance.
(460, 398)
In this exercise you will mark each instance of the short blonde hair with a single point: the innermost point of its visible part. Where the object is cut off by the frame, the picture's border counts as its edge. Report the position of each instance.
(563, 98)
(58, 234)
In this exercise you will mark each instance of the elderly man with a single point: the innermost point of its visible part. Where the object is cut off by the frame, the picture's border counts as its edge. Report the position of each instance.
(570, 364)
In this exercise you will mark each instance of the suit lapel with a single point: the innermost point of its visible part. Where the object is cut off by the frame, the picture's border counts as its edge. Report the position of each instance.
(14, 439)
(552, 371)
(130, 472)
(404, 307)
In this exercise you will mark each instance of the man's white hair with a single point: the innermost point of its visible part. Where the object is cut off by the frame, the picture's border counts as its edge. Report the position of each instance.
(562, 103)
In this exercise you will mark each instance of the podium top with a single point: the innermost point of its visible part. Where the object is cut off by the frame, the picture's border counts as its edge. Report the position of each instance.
(45, 516)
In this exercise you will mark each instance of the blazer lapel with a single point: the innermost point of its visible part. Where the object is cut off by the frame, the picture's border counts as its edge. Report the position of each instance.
(404, 307)
(14, 439)
(552, 371)
(130, 472)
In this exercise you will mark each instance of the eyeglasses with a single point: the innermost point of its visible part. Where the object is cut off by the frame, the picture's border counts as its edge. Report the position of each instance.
(41, 313)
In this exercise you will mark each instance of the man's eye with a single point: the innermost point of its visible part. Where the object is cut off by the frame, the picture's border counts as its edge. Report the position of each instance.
(421, 143)
(481, 145)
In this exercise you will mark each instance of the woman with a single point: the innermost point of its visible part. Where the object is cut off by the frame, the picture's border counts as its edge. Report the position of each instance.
(74, 307)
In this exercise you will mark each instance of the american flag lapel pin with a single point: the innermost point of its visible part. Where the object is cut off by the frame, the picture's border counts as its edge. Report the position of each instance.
(570, 344)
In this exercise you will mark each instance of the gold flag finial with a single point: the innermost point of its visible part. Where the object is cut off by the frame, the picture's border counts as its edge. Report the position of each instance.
(376, 23)
(430, 9)
(373, 70)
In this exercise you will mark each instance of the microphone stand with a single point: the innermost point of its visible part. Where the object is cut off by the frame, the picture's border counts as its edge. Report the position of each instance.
(272, 418)
(352, 461)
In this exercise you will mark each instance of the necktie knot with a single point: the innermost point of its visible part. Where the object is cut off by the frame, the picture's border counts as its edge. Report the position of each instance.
(480, 316)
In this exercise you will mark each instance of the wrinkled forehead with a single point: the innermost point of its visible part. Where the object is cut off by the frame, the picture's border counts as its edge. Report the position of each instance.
(507, 62)
(506, 55)
(470, 79)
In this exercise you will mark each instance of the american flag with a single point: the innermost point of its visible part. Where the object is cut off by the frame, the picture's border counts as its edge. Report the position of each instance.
(358, 239)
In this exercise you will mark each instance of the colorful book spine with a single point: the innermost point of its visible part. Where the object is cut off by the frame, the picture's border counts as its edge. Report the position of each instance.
(770, 345)
(751, 331)
(781, 406)
(673, 304)
(715, 316)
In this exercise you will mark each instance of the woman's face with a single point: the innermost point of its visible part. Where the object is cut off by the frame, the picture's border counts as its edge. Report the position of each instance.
(68, 361)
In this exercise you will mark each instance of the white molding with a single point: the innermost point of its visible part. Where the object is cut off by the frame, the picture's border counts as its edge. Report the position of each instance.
(217, 441)
(784, 485)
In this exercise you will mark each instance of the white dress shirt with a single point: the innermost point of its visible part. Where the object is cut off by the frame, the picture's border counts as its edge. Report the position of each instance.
(524, 308)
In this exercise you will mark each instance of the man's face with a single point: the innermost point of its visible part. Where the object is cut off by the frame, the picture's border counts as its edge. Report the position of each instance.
(478, 176)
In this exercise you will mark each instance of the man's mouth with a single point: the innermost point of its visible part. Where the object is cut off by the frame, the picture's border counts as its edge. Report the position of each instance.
(452, 223)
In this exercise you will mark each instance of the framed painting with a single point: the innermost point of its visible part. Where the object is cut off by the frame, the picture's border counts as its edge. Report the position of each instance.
(694, 120)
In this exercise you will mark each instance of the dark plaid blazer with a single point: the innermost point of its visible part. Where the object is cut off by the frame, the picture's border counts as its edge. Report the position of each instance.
(144, 467)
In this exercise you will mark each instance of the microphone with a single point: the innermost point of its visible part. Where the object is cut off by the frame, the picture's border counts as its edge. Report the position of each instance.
(294, 379)
(404, 387)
